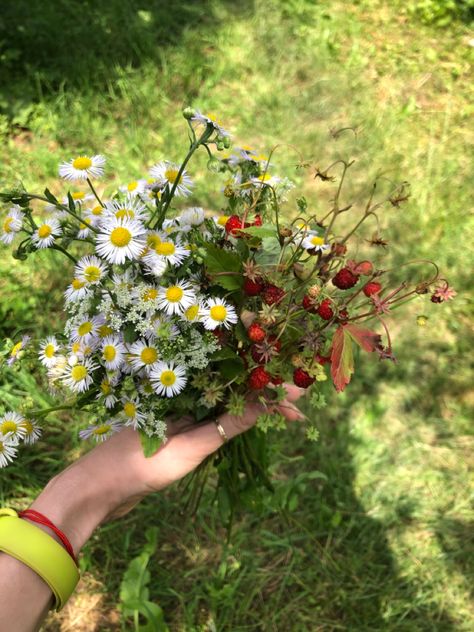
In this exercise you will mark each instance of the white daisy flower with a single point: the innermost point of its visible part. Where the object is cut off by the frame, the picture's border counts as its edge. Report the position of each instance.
(166, 251)
(315, 242)
(11, 224)
(32, 431)
(78, 377)
(133, 188)
(45, 234)
(7, 450)
(210, 119)
(162, 327)
(11, 426)
(131, 412)
(76, 291)
(95, 214)
(145, 387)
(120, 239)
(143, 355)
(192, 314)
(168, 379)
(104, 330)
(101, 431)
(17, 350)
(90, 269)
(112, 352)
(218, 312)
(175, 299)
(47, 352)
(130, 209)
(166, 173)
(82, 167)
(86, 330)
(107, 395)
(193, 216)
(266, 179)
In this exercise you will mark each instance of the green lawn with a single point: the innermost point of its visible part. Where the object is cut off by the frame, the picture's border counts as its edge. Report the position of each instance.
(384, 540)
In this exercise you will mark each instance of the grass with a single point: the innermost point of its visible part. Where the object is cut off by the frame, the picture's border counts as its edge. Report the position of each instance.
(384, 540)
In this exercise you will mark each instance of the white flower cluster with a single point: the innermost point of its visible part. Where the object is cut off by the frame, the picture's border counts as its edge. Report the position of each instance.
(15, 428)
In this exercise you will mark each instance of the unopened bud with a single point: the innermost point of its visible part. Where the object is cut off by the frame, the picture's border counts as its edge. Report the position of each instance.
(188, 113)
(314, 291)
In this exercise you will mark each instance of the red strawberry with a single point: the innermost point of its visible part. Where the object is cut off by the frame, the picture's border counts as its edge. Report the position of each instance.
(322, 360)
(302, 379)
(343, 315)
(372, 287)
(309, 305)
(345, 279)
(233, 225)
(257, 221)
(258, 378)
(272, 294)
(325, 309)
(253, 288)
(256, 333)
(276, 379)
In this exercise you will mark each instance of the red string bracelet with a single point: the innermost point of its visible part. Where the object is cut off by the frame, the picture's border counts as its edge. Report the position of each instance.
(36, 516)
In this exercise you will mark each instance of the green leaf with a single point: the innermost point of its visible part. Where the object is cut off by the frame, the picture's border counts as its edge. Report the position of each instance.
(269, 252)
(150, 445)
(71, 203)
(230, 364)
(218, 262)
(50, 197)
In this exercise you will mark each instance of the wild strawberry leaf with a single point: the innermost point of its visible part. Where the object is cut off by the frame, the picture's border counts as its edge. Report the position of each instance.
(342, 359)
(219, 262)
(366, 339)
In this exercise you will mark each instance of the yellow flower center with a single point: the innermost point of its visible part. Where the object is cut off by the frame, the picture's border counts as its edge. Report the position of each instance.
(16, 348)
(76, 347)
(130, 409)
(7, 225)
(218, 312)
(8, 426)
(105, 387)
(132, 186)
(28, 426)
(78, 372)
(44, 231)
(102, 429)
(77, 284)
(78, 195)
(92, 273)
(317, 241)
(125, 212)
(149, 355)
(168, 378)
(97, 210)
(153, 241)
(85, 328)
(150, 294)
(192, 312)
(109, 353)
(171, 175)
(82, 163)
(222, 220)
(105, 330)
(165, 248)
(174, 294)
(49, 350)
(120, 236)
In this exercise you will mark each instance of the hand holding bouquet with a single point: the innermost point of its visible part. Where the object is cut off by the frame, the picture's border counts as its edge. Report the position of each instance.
(177, 311)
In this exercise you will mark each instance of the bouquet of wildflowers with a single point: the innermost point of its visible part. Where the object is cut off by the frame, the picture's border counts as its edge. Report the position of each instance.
(175, 310)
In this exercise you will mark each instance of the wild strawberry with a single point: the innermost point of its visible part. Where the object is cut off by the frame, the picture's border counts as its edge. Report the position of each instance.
(372, 287)
(325, 310)
(302, 379)
(436, 299)
(309, 304)
(257, 221)
(322, 360)
(339, 249)
(345, 279)
(258, 378)
(343, 315)
(272, 294)
(233, 225)
(253, 288)
(256, 333)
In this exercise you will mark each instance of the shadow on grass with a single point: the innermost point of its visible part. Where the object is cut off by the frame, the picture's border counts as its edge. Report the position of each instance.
(47, 45)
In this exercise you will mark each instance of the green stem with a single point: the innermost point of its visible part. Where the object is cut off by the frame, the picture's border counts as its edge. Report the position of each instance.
(65, 252)
(94, 191)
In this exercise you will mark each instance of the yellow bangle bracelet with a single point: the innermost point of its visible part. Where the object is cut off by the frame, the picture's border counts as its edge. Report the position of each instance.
(38, 550)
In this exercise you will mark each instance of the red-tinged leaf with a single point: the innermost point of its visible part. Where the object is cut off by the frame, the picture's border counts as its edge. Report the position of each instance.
(342, 360)
(366, 339)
